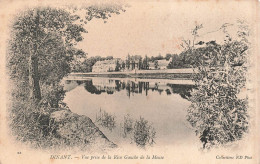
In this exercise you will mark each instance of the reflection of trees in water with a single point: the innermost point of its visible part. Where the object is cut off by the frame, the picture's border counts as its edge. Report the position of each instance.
(168, 92)
(68, 81)
(110, 92)
(182, 90)
(128, 89)
(136, 87)
(118, 86)
(88, 85)
(79, 82)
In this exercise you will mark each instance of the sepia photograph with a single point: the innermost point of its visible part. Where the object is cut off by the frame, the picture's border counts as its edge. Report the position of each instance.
(149, 81)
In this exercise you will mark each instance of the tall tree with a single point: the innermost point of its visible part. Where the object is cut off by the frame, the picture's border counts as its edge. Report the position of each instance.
(146, 63)
(34, 34)
(128, 61)
(140, 64)
(168, 56)
(156, 65)
(123, 65)
(117, 66)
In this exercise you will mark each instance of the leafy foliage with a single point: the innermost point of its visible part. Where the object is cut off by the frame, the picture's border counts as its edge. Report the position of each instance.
(106, 120)
(156, 65)
(217, 113)
(50, 34)
(143, 133)
(128, 125)
(41, 52)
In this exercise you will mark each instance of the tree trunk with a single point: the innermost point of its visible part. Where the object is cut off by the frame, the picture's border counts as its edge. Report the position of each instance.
(35, 91)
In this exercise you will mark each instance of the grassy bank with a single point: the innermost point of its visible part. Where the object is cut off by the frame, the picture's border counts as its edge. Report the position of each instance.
(56, 129)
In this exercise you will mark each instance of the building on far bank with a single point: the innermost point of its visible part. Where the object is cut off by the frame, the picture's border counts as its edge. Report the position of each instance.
(162, 64)
(134, 64)
(118, 64)
(159, 64)
(106, 65)
(151, 65)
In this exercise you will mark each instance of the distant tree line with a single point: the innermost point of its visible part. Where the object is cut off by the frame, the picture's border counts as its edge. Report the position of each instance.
(185, 59)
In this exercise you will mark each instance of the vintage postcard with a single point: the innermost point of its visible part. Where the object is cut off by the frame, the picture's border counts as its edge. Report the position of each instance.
(149, 81)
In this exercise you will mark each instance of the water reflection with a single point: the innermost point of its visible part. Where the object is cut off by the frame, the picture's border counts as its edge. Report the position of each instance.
(110, 86)
(162, 102)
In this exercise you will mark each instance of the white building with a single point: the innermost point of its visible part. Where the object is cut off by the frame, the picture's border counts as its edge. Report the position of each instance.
(106, 65)
(151, 65)
(161, 64)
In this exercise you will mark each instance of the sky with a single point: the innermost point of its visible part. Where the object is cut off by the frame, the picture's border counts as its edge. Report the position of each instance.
(153, 28)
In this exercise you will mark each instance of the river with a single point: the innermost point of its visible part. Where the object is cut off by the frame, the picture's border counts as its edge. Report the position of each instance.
(163, 103)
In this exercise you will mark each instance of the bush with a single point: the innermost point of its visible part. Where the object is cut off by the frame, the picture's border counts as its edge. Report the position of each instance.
(128, 125)
(143, 133)
(106, 120)
(218, 115)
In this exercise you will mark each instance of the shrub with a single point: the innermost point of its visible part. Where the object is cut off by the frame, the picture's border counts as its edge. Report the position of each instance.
(106, 120)
(128, 125)
(143, 133)
(218, 115)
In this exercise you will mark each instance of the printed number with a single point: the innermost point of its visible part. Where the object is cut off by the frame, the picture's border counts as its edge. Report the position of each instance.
(19, 152)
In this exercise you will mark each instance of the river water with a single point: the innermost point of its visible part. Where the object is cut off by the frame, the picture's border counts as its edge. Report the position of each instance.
(163, 103)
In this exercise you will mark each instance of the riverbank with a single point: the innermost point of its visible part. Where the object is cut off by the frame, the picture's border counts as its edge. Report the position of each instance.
(79, 131)
(142, 74)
